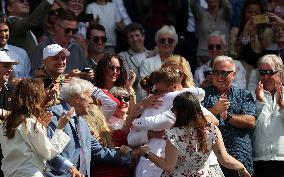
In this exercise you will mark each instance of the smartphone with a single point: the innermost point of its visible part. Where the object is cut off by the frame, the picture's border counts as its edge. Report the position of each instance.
(86, 70)
(47, 82)
(260, 19)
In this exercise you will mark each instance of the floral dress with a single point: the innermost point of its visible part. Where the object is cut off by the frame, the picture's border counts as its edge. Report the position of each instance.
(191, 162)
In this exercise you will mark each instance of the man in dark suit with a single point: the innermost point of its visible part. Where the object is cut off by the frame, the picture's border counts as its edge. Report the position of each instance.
(83, 148)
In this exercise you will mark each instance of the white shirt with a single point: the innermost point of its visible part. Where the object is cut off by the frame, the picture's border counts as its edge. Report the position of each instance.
(269, 130)
(149, 65)
(25, 153)
(122, 11)
(109, 16)
(239, 81)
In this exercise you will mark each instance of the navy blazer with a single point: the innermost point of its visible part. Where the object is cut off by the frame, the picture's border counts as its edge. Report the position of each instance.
(93, 150)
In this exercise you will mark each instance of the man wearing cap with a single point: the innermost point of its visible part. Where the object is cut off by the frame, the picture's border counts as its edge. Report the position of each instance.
(21, 22)
(65, 29)
(5, 89)
(21, 70)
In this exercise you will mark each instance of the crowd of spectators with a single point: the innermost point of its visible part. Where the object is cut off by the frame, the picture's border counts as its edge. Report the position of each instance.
(142, 88)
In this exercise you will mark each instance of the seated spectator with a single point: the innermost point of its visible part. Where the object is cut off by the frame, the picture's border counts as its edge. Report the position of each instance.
(191, 138)
(83, 147)
(268, 133)
(217, 47)
(24, 142)
(235, 110)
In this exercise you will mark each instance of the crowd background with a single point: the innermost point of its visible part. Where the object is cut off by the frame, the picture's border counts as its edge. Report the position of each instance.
(114, 68)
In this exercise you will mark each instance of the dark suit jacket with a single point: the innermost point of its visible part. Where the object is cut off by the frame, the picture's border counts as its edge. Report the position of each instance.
(94, 152)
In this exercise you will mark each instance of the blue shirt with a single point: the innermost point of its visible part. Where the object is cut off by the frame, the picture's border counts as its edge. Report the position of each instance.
(238, 141)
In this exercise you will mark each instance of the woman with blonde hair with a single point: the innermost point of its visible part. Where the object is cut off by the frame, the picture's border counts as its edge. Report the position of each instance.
(180, 63)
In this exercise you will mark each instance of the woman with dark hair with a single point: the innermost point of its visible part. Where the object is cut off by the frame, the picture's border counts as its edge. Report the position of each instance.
(24, 142)
(253, 38)
(190, 141)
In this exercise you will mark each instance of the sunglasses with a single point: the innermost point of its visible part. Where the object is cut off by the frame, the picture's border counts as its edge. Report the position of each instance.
(221, 73)
(268, 72)
(96, 39)
(124, 98)
(69, 30)
(115, 68)
(166, 40)
(214, 46)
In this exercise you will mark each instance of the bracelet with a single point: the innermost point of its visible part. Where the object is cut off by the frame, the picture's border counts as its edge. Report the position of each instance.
(146, 154)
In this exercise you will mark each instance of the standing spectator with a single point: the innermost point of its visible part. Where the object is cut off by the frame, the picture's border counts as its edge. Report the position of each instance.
(65, 29)
(166, 39)
(217, 47)
(218, 16)
(235, 110)
(106, 14)
(21, 22)
(192, 138)
(23, 137)
(23, 68)
(269, 133)
(96, 37)
(153, 15)
(136, 54)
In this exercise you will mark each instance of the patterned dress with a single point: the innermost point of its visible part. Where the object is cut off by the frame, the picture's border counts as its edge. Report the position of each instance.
(191, 161)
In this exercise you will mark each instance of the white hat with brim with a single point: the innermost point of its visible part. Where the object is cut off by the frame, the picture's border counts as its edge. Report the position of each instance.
(52, 50)
(4, 58)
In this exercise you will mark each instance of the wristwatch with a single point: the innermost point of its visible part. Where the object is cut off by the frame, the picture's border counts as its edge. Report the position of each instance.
(146, 154)
(229, 117)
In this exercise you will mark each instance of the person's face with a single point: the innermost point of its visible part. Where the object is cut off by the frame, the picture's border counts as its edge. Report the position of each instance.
(18, 7)
(52, 14)
(4, 34)
(252, 10)
(166, 43)
(55, 65)
(97, 40)
(76, 6)
(5, 71)
(223, 75)
(269, 81)
(124, 104)
(135, 40)
(113, 70)
(280, 35)
(215, 47)
(83, 103)
(65, 30)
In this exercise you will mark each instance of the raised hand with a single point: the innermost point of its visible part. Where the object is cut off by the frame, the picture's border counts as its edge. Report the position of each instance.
(124, 150)
(279, 96)
(131, 79)
(45, 118)
(65, 118)
(259, 92)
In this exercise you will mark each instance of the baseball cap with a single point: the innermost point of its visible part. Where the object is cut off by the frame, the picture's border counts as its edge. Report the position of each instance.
(4, 58)
(52, 50)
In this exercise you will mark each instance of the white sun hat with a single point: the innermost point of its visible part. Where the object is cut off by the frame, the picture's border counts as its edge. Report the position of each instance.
(4, 58)
(52, 50)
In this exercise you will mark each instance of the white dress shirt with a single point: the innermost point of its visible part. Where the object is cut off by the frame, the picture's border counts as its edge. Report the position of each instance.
(269, 130)
(25, 153)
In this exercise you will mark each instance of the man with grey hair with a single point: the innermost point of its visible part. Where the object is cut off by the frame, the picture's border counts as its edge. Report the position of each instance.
(235, 110)
(216, 47)
(83, 147)
(269, 133)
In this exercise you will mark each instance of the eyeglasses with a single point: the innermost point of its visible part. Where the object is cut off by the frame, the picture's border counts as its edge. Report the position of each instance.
(268, 72)
(166, 40)
(214, 46)
(96, 39)
(124, 98)
(221, 73)
(69, 30)
(115, 68)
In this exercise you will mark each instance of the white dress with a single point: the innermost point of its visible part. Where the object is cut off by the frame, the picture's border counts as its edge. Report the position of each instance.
(25, 154)
(191, 162)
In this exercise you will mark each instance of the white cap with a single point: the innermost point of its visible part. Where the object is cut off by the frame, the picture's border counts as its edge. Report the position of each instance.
(4, 58)
(52, 50)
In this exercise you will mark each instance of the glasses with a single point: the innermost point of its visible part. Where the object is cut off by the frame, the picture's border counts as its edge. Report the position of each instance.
(102, 39)
(69, 30)
(124, 98)
(115, 68)
(214, 46)
(166, 40)
(268, 72)
(221, 73)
